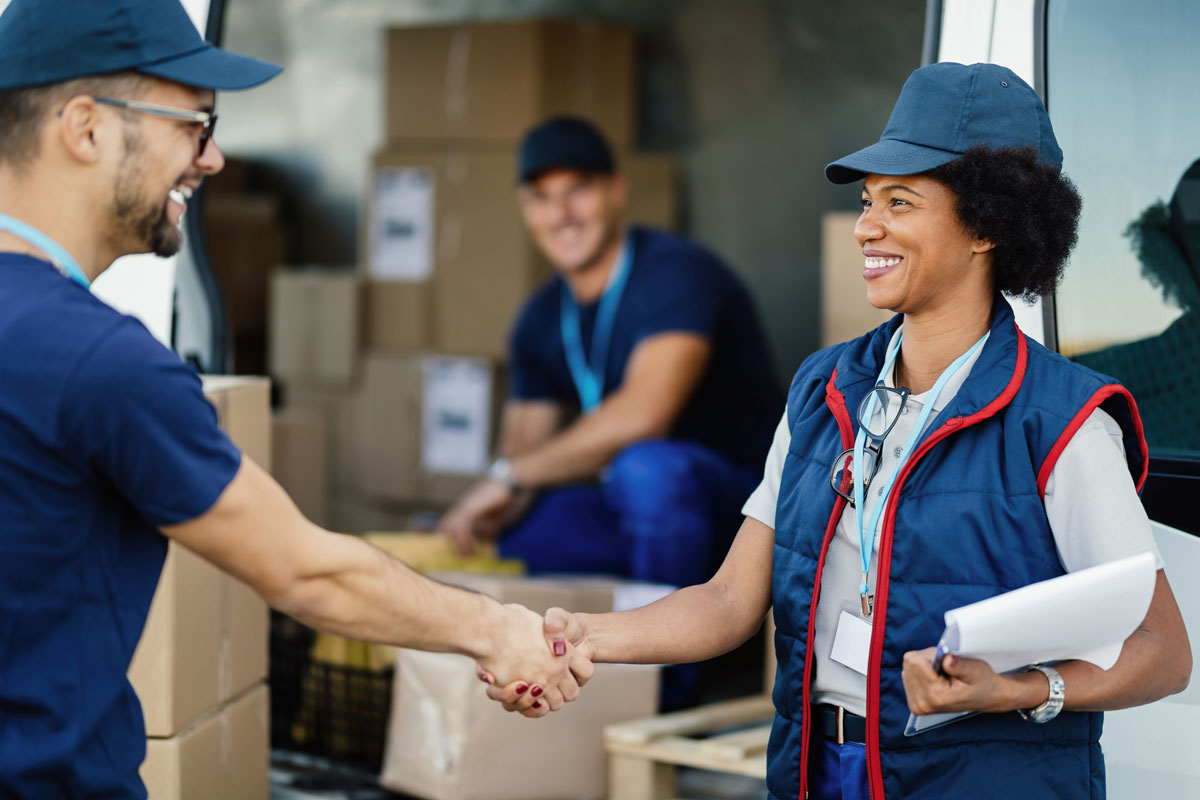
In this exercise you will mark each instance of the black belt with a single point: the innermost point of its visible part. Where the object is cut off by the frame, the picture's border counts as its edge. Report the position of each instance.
(839, 725)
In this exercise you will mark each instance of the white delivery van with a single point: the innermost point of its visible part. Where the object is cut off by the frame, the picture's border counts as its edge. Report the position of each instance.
(1120, 82)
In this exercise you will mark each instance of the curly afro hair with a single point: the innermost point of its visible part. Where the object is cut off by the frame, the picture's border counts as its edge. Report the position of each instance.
(1028, 209)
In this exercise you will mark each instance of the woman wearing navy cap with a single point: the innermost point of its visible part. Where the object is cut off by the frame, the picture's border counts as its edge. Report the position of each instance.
(988, 463)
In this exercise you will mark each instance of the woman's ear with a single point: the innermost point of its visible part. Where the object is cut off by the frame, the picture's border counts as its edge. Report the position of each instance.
(982, 246)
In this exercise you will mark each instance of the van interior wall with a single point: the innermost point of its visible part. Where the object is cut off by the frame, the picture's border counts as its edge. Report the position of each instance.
(752, 97)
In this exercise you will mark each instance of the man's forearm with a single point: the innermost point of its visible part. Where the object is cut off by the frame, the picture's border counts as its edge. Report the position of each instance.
(366, 594)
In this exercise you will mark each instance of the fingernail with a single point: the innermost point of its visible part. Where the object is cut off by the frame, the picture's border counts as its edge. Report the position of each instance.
(537, 704)
(522, 688)
(486, 679)
(537, 690)
(951, 662)
(560, 647)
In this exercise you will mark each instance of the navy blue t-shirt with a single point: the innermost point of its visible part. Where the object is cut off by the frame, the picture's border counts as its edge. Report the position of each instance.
(104, 436)
(674, 285)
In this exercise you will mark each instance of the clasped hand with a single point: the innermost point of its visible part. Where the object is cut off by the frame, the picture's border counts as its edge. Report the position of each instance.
(520, 686)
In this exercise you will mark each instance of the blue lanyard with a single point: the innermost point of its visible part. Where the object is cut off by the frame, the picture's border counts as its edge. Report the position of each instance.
(589, 374)
(58, 256)
(867, 549)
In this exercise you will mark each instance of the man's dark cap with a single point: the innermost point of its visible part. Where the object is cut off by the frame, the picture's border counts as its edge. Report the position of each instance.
(563, 143)
(943, 110)
(50, 41)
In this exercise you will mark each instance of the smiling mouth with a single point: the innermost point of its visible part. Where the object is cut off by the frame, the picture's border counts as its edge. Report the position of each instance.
(881, 263)
(181, 194)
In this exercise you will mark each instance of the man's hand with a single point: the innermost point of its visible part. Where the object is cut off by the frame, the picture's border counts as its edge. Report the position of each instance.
(968, 685)
(566, 635)
(478, 514)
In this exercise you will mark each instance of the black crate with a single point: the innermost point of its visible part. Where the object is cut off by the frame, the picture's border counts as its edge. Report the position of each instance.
(329, 710)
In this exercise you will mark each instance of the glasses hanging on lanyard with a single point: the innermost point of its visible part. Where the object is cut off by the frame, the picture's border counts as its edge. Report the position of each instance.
(57, 254)
(883, 399)
(588, 373)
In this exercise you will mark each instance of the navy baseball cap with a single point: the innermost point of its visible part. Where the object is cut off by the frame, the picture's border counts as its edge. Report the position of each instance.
(943, 110)
(563, 143)
(49, 41)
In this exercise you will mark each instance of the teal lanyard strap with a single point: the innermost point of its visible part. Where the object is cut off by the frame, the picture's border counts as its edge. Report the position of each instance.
(867, 549)
(588, 374)
(58, 256)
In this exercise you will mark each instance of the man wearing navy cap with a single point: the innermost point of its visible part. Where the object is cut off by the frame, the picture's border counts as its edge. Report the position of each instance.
(106, 439)
(643, 391)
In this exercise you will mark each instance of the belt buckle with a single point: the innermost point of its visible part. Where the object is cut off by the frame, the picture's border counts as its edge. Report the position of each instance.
(841, 725)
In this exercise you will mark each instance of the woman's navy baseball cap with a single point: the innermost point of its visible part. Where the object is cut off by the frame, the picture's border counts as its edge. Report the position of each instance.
(943, 110)
(49, 41)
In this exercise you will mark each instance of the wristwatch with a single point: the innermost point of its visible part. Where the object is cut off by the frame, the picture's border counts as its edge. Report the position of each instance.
(501, 471)
(1054, 703)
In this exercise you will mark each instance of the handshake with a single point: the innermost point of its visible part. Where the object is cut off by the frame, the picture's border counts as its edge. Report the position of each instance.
(535, 664)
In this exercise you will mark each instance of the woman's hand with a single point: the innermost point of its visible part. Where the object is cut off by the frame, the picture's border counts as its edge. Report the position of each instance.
(968, 685)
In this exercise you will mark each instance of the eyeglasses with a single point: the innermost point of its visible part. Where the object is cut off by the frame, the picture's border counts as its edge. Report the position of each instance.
(876, 419)
(206, 119)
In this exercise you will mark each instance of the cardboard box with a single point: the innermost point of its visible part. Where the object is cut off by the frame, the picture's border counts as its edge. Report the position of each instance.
(495, 80)
(845, 312)
(444, 219)
(447, 741)
(316, 326)
(205, 639)
(341, 409)
(399, 315)
(431, 423)
(224, 755)
(349, 513)
(300, 454)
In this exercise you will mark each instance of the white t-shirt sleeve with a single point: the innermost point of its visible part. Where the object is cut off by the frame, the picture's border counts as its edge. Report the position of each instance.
(761, 504)
(1091, 502)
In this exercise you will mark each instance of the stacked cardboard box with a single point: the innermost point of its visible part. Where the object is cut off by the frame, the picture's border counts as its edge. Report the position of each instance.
(199, 667)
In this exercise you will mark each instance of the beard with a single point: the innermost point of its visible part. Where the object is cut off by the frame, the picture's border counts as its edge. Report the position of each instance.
(135, 217)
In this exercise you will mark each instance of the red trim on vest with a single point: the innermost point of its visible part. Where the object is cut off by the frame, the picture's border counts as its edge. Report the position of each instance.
(1102, 394)
(836, 403)
(879, 625)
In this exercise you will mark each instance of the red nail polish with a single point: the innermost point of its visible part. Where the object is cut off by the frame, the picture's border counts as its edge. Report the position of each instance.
(537, 690)
(560, 647)
(537, 704)
(522, 688)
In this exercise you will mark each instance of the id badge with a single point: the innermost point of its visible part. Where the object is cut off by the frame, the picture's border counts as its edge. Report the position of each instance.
(852, 642)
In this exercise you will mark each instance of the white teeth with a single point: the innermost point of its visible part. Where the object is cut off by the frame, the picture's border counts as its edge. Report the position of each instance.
(881, 263)
(186, 191)
(178, 196)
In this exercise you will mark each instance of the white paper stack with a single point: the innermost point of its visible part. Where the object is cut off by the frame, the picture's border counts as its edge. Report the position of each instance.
(1086, 615)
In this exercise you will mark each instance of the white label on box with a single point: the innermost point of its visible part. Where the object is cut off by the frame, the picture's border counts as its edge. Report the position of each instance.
(456, 415)
(402, 225)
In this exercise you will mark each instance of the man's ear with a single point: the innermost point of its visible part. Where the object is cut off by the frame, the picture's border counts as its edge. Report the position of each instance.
(81, 131)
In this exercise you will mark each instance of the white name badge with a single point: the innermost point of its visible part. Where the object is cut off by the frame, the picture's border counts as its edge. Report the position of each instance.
(852, 642)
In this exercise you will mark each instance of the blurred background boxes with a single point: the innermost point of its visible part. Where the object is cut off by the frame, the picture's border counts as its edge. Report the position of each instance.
(300, 454)
(494, 80)
(316, 327)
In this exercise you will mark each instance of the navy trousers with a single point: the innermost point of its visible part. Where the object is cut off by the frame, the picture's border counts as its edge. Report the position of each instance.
(837, 771)
(666, 512)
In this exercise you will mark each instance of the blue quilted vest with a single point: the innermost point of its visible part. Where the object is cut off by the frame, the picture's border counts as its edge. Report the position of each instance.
(965, 521)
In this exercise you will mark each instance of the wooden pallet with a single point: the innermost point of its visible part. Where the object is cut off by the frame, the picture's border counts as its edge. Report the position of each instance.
(643, 754)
